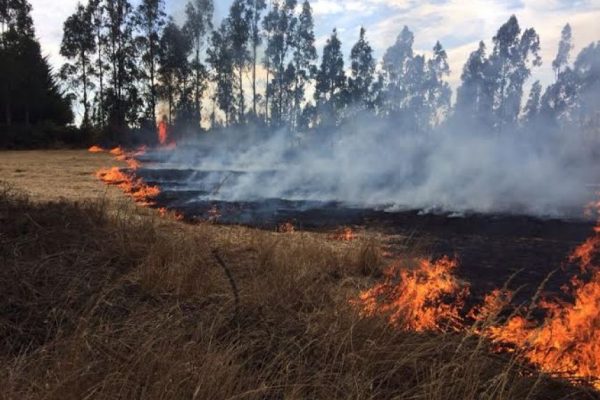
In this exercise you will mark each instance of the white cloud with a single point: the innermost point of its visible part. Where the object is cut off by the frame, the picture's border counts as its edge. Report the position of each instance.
(49, 16)
(458, 24)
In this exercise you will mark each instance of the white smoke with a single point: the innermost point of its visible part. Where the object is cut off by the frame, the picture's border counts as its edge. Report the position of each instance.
(371, 164)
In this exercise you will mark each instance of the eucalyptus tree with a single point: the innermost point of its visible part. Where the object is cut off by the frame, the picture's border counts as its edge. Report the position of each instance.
(439, 93)
(173, 72)
(396, 61)
(255, 8)
(239, 37)
(304, 59)
(564, 50)
(220, 57)
(150, 20)
(513, 56)
(78, 46)
(362, 73)
(280, 23)
(331, 91)
(199, 24)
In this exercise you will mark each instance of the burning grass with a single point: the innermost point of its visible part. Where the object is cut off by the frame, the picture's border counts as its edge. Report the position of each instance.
(99, 301)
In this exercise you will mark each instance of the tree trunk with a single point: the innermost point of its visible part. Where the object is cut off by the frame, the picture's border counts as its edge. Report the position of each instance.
(254, 78)
(101, 77)
(197, 99)
(242, 103)
(86, 111)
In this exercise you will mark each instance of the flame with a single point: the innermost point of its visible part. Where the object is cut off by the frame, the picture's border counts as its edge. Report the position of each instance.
(165, 213)
(287, 227)
(417, 299)
(96, 149)
(567, 342)
(132, 186)
(117, 152)
(163, 131)
(345, 234)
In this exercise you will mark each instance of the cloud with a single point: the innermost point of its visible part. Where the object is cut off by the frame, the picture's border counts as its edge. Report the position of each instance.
(458, 24)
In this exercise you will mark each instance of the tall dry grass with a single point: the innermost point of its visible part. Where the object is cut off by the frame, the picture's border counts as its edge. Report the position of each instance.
(100, 301)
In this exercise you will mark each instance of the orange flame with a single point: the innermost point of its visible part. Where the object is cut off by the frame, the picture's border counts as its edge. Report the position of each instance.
(163, 131)
(134, 187)
(565, 343)
(568, 341)
(417, 299)
(287, 227)
(345, 234)
(96, 149)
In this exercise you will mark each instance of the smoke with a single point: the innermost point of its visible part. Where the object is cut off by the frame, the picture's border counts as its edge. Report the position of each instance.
(368, 163)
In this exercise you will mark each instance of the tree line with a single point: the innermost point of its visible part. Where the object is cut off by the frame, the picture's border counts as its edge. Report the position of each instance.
(131, 66)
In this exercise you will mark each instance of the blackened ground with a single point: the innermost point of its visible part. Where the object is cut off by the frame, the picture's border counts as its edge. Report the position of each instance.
(492, 249)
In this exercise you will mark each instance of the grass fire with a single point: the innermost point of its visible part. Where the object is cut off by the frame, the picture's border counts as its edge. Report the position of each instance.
(299, 199)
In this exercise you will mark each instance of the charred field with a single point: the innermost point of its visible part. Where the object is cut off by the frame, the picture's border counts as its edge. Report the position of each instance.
(102, 298)
(492, 249)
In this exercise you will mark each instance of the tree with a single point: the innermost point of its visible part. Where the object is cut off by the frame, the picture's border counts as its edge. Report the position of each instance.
(220, 58)
(123, 100)
(175, 47)
(474, 100)
(150, 19)
(330, 91)
(304, 58)
(29, 93)
(255, 8)
(438, 90)
(78, 45)
(97, 11)
(239, 36)
(564, 50)
(199, 15)
(280, 24)
(532, 107)
(396, 61)
(362, 73)
(510, 66)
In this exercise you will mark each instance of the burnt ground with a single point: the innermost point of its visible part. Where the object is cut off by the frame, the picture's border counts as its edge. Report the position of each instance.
(491, 248)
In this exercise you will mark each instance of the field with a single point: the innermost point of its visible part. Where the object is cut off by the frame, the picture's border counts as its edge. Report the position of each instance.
(102, 299)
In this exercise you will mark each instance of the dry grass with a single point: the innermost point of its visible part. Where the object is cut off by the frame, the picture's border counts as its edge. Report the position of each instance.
(51, 175)
(99, 301)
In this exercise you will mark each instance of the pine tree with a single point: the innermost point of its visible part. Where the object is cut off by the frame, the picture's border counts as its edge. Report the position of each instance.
(28, 90)
(330, 91)
(78, 45)
(362, 73)
(199, 15)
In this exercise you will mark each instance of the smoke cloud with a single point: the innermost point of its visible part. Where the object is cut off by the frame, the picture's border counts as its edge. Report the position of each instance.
(368, 163)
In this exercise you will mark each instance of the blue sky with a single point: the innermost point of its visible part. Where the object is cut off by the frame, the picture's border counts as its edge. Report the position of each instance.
(458, 24)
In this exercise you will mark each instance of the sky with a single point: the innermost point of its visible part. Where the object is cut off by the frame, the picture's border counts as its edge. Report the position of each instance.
(458, 24)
